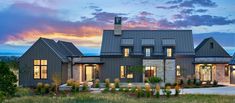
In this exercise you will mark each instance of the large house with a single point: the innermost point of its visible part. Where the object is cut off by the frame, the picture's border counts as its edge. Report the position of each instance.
(130, 55)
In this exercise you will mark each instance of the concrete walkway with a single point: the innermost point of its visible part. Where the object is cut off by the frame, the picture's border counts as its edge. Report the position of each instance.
(228, 90)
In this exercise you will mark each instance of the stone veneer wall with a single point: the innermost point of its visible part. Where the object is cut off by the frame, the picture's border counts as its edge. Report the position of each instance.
(220, 74)
(155, 62)
(170, 73)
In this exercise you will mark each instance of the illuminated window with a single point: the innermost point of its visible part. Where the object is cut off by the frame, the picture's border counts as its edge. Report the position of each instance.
(36, 72)
(126, 52)
(122, 72)
(226, 71)
(147, 52)
(150, 71)
(130, 75)
(40, 69)
(178, 70)
(169, 52)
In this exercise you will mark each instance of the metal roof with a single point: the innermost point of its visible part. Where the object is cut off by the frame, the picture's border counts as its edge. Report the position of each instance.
(183, 41)
(70, 49)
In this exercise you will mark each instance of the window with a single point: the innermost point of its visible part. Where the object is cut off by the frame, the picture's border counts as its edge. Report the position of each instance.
(126, 52)
(147, 52)
(226, 71)
(150, 71)
(124, 73)
(211, 45)
(178, 70)
(169, 52)
(40, 69)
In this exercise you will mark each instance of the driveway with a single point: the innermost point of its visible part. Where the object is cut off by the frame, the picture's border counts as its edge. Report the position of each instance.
(227, 90)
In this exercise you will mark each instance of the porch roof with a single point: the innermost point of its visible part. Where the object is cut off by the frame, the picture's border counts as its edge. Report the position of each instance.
(87, 60)
(212, 60)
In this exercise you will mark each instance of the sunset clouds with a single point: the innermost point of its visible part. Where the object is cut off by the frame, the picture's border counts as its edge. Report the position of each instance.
(22, 22)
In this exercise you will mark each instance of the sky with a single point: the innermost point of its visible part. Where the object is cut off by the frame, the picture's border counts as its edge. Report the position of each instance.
(81, 22)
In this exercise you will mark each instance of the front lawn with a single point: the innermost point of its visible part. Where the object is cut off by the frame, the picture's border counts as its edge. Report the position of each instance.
(121, 98)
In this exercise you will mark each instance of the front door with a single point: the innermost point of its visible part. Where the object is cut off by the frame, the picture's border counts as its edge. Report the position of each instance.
(206, 72)
(89, 73)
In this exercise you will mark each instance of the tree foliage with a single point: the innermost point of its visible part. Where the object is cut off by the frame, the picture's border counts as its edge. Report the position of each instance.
(7, 80)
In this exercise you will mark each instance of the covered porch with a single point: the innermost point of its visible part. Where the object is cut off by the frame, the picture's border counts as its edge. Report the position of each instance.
(86, 68)
(210, 69)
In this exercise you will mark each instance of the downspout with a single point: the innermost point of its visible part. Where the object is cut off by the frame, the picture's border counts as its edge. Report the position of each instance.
(164, 68)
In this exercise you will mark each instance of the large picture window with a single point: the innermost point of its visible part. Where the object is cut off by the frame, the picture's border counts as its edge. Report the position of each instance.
(40, 69)
(150, 71)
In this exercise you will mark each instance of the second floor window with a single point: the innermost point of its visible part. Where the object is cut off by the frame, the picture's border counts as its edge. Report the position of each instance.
(169, 52)
(147, 52)
(126, 52)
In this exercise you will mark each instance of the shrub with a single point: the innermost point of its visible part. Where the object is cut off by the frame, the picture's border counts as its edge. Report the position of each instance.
(76, 87)
(139, 92)
(53, 87)
(133, 89)
(97, 83)
(126, 89)
(167, 84)
(181, 82)
(120, 89)
(167, 91)
(189, 81)
(215, 83)
(157, 89)
(47, 88)
(39, 88)
(57, 81)
(116, 82)
(148, 90)
(194, 81)
(198, 82)
(107, 82)
(85, 86)
(112, 86)
(70, 82)
(177, 90)
(22, 92)
(7, 80)
(2, 96)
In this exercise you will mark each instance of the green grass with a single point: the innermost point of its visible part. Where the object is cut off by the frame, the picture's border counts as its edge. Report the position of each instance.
(121, 98)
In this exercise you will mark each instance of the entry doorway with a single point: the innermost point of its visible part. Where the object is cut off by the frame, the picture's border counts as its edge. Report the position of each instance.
(89, 73)
(206, 72)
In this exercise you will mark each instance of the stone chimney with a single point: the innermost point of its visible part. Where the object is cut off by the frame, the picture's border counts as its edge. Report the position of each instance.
(118, 26)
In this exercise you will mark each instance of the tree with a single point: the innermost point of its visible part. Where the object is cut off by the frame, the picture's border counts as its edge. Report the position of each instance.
(7, 80)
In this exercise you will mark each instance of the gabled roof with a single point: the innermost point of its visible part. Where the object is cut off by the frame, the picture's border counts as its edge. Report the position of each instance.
(69, 48)
(232, 62)
(61, 49)
(55, 48)
(204, 49)
(111, 44)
